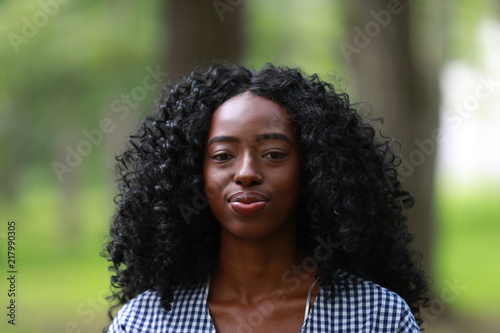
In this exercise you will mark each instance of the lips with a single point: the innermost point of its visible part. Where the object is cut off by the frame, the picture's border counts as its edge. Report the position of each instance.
(248, 203)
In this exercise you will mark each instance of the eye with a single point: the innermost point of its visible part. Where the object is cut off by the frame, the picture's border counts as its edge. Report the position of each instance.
(275, 155)
(221, 157)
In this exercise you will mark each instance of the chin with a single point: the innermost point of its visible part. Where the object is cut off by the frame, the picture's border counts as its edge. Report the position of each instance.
(254, 230)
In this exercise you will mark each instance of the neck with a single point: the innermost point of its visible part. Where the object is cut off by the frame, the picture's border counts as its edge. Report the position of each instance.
(251, 269)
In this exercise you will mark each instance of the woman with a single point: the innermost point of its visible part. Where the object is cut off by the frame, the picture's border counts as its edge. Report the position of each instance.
(259, 201)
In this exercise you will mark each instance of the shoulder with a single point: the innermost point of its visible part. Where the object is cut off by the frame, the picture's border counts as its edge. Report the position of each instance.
(355, 288)
(361, 303)
(144, 312)
(138, 313)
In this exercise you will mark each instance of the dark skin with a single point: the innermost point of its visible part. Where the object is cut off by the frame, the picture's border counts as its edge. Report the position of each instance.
(252, 172)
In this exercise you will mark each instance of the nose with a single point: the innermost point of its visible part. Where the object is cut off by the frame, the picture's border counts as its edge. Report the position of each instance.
(248, 172)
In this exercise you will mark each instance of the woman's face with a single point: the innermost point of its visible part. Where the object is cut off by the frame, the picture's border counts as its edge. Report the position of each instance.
(252, 167)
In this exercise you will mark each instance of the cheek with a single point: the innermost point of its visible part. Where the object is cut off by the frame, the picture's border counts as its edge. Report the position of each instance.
(214, 189)
(214, 183)
(290, 182)
(289, 174)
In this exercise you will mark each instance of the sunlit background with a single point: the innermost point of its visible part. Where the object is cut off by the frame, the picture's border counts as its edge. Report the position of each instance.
(72, 88)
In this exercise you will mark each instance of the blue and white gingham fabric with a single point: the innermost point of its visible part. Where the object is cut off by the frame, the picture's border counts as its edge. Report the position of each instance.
(361, 307)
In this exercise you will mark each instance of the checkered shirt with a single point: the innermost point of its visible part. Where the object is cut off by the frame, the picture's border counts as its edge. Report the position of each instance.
(362, 306)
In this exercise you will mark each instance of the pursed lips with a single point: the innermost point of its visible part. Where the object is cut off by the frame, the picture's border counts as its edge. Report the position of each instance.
(248, 203)
(248, 197)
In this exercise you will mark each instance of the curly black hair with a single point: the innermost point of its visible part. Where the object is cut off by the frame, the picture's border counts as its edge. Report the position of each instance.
(163, 233)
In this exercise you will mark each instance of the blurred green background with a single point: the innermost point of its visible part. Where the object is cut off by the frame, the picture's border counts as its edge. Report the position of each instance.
(67, 65)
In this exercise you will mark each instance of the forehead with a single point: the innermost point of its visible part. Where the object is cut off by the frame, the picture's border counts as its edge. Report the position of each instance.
(246, 113)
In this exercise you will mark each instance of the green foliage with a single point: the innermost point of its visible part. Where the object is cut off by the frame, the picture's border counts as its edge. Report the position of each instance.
(73, 61)
(460, 19)
(60, 280)
(64, 277)
(468, 249)
(63, 78)
(295, 33)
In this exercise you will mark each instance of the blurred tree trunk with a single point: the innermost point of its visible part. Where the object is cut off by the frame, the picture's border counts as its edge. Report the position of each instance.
(397, 74)
(200, 31)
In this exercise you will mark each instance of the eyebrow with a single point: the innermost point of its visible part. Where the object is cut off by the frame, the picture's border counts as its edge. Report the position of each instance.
(260, 137)
(273, 136)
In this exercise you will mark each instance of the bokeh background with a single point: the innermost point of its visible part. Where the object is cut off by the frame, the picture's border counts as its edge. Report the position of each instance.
(77, 76)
